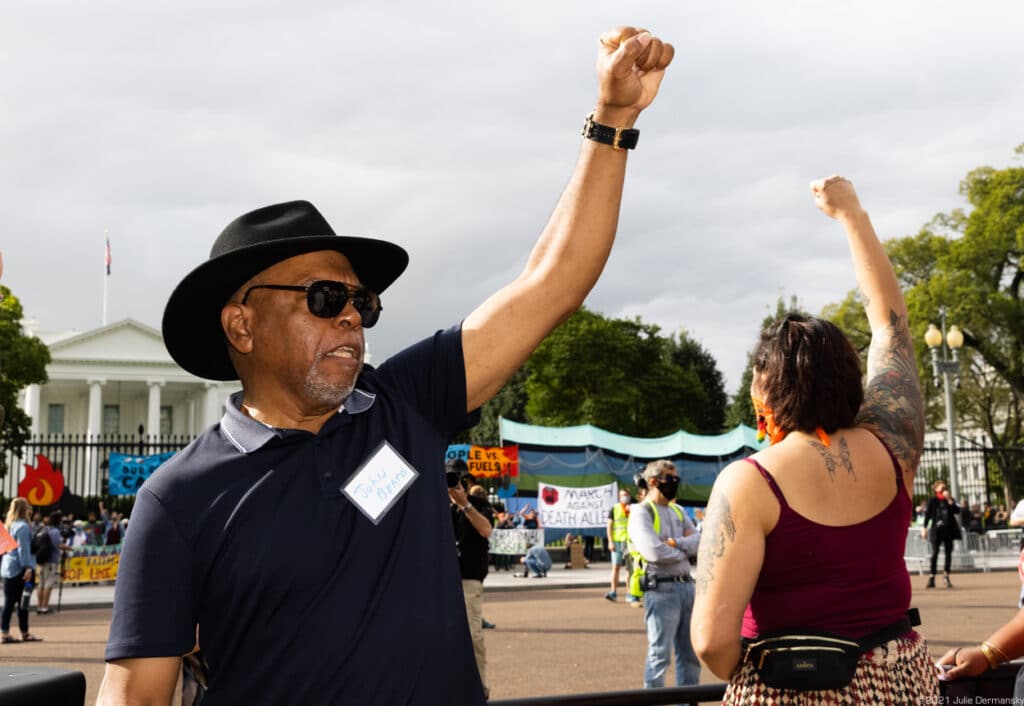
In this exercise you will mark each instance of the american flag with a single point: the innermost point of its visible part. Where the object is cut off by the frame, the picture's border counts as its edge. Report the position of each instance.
(107, 256)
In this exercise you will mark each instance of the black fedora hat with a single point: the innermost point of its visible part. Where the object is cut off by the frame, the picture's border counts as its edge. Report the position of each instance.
(250, 244)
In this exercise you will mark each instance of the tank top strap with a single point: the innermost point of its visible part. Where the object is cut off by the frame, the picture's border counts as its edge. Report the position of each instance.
(771, 481)
(895, 462)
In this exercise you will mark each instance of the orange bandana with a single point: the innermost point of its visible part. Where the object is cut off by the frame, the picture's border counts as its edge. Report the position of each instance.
(766, 426)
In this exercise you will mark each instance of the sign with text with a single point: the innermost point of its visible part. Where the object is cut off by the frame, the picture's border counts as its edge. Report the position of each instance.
(88, 564)
(514, 541)
(380, 482)
(575, 508)
(487, 461)
(128, 473)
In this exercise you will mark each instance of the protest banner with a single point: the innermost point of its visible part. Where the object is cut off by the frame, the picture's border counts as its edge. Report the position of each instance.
(514, 541)
(43, 483)
(87, 564)
(7, 542)
(487, 461)
(497, 466)
(575, 508)
(127, 473)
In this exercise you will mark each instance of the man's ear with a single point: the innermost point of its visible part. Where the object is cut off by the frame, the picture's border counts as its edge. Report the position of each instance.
(234, 320)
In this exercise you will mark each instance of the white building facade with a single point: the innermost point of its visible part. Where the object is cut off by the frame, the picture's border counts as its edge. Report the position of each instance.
(116, 379)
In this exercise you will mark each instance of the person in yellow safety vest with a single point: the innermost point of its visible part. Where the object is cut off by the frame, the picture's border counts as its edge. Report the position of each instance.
(634, 593)
(618, 522)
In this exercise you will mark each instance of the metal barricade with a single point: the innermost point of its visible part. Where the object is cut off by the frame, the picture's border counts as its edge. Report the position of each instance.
(638, 697)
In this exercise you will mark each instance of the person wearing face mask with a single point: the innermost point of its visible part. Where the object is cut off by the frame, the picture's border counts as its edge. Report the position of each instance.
(807, 535)
(664, 537)
(941, 516)
(618, 523)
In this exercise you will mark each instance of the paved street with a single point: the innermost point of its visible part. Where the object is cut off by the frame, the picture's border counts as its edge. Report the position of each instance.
(549, 639)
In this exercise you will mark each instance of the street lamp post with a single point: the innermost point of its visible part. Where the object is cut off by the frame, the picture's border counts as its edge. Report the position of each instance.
(949, 367)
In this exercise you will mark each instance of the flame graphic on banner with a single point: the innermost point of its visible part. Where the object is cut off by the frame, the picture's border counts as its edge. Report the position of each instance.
(41, 485)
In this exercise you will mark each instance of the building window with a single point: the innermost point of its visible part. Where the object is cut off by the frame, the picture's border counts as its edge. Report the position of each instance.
(111, 419)
(166, 420)
(55, 419)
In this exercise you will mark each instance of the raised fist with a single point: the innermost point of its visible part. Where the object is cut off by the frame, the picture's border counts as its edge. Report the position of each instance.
(630, 65)
(835, 196)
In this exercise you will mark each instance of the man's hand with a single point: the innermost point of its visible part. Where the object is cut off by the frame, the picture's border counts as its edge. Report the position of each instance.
(458, 496)
(835, 197)
(630, 66)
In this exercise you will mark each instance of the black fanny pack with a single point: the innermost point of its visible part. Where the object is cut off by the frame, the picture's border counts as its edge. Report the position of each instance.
(814, 661)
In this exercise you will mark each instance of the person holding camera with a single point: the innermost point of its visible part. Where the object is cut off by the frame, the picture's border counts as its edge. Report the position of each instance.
(941, 514)
(473, 520)
(665, 538)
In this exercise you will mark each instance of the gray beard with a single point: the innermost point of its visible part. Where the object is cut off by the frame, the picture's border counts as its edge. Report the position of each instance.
(326, 395)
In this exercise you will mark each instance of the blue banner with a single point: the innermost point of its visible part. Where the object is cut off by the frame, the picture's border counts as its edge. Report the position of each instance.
(127, 473)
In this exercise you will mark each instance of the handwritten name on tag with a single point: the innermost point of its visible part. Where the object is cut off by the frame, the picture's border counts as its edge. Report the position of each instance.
(379, 482)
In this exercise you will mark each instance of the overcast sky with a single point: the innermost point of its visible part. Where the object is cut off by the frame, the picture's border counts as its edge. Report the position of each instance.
(451, 128)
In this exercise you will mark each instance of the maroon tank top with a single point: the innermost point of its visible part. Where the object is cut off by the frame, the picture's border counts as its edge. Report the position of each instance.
(849, 580)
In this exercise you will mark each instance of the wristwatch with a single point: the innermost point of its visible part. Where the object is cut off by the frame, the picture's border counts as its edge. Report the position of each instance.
(619, 138)
(466, 508)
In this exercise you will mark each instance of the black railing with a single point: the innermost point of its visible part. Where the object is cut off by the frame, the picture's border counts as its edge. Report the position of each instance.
(984, 473)
(637, 697)
(82, 460)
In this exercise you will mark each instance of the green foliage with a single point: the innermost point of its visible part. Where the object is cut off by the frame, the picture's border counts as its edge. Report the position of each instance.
(688, 354)
(970, 263)
(510, 403)
(616, 374)
(23, 362)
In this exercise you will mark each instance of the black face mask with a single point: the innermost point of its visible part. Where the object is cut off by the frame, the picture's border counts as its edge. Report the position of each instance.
(668, 486)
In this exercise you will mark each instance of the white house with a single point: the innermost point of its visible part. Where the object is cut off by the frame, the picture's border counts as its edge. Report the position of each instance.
(114, 379)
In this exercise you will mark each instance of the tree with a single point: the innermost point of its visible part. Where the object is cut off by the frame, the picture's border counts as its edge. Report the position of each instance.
(969, 262)
(613, 373)
(23, 361)
(687, 353)
(741, 410)
(510, 403)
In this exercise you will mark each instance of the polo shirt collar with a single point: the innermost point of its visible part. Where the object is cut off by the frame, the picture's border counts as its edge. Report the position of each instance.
(247, 434)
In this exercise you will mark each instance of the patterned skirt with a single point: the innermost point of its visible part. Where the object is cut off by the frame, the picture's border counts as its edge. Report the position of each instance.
(899, 672)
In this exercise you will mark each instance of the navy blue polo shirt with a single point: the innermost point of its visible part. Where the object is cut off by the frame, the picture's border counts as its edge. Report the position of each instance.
(299, 598)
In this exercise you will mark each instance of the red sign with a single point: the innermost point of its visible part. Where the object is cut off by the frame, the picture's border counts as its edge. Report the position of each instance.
(41, 485)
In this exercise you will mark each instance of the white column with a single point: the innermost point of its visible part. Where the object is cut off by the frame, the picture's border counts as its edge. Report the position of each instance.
(212, 409)
(32, 408)
(153, 418)
(94, 426)
(190, 416)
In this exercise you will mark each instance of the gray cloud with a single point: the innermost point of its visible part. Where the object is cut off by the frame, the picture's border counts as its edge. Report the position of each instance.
(451, 128)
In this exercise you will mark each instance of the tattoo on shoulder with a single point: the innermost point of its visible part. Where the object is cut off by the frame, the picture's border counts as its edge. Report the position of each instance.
(893, 404)
(833, 461)
(718, 526)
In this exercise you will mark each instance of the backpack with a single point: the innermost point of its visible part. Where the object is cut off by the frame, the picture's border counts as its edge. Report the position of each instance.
(42, 545)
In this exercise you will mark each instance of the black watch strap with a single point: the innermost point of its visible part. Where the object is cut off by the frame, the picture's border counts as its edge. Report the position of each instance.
(619, 138)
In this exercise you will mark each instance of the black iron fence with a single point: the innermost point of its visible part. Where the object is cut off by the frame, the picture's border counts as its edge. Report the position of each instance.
(993, 475)
(83, 462)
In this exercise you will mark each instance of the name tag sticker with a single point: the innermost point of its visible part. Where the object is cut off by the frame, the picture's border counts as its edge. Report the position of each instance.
(380, 482)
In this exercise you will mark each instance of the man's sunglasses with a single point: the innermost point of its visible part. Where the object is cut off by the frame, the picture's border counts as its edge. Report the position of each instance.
(326, 298)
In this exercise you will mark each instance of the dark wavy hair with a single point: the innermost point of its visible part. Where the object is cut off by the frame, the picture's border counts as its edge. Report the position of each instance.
(809, 374)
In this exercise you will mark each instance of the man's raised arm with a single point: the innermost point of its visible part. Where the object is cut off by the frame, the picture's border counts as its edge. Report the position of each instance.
(572, 250)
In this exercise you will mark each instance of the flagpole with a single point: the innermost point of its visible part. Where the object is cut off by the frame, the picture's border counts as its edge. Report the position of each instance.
(106, 273)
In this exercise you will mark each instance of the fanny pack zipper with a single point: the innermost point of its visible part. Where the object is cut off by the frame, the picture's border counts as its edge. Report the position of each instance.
(819, 648)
